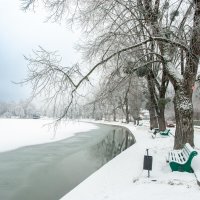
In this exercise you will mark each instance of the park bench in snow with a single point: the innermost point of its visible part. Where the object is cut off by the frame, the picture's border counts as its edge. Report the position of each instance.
(165, 133)
(180, 160)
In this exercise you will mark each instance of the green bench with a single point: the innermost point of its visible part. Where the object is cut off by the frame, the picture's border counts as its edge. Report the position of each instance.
(180, 160)
(165, 133)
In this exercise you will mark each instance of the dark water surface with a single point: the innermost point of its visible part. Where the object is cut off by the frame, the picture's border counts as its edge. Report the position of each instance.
(49, 171)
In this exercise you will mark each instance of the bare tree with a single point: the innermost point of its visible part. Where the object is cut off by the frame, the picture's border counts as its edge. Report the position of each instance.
(117, 21)
(182, 80)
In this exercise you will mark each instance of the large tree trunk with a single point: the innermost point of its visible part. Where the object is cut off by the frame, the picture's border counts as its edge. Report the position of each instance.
(153, 104)
(184, 118)
(162, 104)
(153, 118)
(161, 119)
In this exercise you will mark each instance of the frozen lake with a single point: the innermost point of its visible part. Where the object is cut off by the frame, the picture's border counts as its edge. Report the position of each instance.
(48, 171)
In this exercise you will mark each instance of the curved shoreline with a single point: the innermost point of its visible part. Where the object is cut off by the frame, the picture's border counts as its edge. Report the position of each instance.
(123, 177)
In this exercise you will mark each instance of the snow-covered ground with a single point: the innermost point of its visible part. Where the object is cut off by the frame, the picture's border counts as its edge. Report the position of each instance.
(15, 133)
(123, 178)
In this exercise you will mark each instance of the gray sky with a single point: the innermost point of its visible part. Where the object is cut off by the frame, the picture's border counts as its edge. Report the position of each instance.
(20, 33)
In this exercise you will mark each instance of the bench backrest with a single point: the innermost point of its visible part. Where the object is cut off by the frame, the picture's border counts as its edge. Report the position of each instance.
(180, 160)
(168, 130)
(165, 132)
(188, 151)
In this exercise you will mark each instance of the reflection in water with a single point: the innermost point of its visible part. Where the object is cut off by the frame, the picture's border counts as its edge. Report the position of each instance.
(49, 171)
(112, 145)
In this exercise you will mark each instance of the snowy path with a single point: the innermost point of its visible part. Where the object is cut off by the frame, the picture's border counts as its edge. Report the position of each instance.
(123, 178)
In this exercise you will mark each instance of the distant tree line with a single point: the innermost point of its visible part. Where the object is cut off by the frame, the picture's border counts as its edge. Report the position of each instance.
(22, 109)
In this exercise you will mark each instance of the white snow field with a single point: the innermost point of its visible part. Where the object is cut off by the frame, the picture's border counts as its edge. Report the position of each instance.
(15, 133)
(123, 178)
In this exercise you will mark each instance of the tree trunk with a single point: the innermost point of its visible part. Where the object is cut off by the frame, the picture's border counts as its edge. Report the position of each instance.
(161, 119)
(153, 118)
(126, 109)
(162, 104)
(93, 111)
(184, 118)
(114, 115)
(152, 103)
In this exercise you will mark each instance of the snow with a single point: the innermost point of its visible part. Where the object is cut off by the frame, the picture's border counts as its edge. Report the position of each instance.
(186, 104)
(16, 133)
(172, 70)
(123, 178)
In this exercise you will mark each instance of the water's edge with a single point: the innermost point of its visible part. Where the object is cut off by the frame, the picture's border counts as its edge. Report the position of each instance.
(49, 171)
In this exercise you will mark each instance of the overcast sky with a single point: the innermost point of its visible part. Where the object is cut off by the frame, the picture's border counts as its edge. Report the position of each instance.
(20, 33)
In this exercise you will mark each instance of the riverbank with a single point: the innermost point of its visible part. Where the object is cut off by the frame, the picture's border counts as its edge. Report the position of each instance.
(50, 170)
(123, 178)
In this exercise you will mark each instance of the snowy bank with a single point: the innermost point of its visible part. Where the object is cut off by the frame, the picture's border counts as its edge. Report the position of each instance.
(15, 133)
(123, 178)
